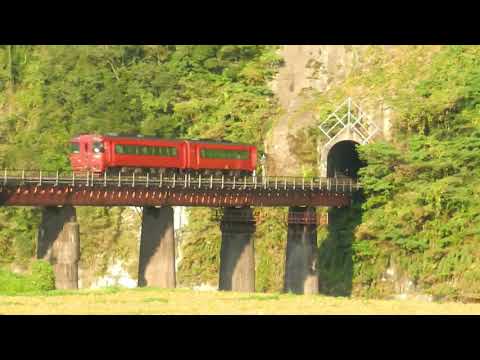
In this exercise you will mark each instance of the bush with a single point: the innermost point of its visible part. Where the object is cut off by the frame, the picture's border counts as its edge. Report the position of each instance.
(41, 279)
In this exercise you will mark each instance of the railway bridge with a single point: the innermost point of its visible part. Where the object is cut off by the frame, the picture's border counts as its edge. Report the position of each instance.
(58, 237)
(59, 193)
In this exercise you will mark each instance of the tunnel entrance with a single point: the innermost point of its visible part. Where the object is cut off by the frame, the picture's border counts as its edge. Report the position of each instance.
(343, 160)
(335, 253)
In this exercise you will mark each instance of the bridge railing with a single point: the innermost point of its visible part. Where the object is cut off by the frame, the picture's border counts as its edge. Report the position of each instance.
(190, 181)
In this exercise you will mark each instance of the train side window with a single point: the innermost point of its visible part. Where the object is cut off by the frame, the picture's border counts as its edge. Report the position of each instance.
(146, 150)
(224, 154)
(173, 151)
(119, 149)
(166, 151)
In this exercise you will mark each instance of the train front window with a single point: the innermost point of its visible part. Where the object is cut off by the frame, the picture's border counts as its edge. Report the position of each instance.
(74, 147)
(98, 147)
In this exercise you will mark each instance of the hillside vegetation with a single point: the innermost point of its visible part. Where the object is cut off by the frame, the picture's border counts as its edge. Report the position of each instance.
(49, 94)
(421, 212)
(421, 208)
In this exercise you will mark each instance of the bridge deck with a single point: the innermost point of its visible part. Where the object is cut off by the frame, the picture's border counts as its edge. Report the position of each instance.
(39, 188)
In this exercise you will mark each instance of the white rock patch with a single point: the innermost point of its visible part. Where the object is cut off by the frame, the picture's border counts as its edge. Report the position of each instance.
(116, 276)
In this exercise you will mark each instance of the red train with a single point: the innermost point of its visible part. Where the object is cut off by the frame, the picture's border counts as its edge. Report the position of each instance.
(100, 153)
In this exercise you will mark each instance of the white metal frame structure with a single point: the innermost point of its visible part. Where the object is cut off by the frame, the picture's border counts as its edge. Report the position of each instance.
(354, 120)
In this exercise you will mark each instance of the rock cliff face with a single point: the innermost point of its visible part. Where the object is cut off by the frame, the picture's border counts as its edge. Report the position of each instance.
(308, 69)
(312, 67)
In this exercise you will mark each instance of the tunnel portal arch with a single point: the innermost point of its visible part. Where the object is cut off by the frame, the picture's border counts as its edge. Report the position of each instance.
(343, 159)
(338, 155)
(344, 129)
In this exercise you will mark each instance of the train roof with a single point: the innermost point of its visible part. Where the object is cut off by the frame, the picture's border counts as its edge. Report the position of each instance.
(217, 142)
(139, 137)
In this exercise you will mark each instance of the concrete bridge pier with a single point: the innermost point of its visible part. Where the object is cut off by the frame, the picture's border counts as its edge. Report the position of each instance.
(301, 276)
(157, 248)
(237, 252)
(59, 244)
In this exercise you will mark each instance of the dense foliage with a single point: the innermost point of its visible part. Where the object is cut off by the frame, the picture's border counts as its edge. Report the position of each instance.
(50, 93)
(421, 210)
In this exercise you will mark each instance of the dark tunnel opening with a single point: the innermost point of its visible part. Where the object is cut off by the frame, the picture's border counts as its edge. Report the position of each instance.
(335, 261)
(343, 160)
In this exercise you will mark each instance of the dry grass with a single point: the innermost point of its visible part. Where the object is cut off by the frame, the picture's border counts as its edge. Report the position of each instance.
(184, 301)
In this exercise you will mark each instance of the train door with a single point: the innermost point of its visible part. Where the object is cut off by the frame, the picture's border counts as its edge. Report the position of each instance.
(192, 156)
(185, 155)
(86, 149)
(108, 151)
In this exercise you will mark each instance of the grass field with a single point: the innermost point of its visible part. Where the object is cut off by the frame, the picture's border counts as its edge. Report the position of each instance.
(185, 301)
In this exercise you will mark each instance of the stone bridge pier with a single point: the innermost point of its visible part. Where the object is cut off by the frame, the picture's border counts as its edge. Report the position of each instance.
(59, 244)
(301, 274)
(237, 252)
(157, 248)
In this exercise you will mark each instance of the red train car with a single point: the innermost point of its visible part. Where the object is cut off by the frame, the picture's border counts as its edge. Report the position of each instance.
(101, 153)
(223, 157)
